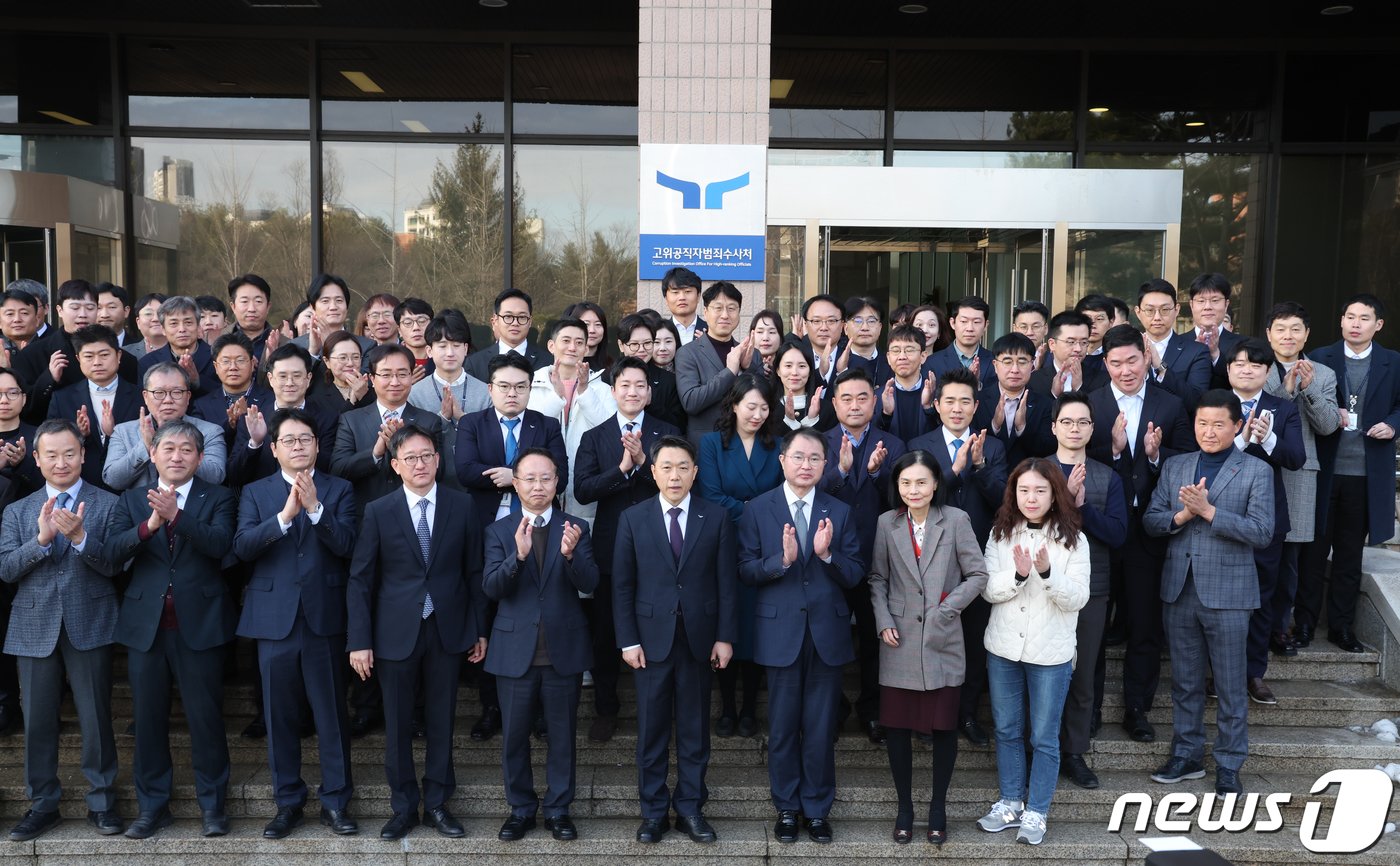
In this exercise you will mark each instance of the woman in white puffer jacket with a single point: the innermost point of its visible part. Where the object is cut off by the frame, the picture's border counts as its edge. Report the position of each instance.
(1037, 580)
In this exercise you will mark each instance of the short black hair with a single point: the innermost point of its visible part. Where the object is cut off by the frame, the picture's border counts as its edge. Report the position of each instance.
(1157, 286)
(55, 426)
(1211, 283)
(377, 354)
(1014, 343)
(1031, 307)
(830, 299)
(1369, 300)
(319, 283)
(282, 416)
(289, 350)
(404, 433)
(957, 376)
(906, 334)
(1095, 303)
(852, 374)
(22, 296)
(506, 295)
(235, 338)
(1256, 351)
(792, 436)
(1119, 336)
(211, 304)
(680, 278)
(671, 441)
(727, 289)
(627, 362)
(971, 301)
(1221, 398)
(449, 325)
(76, 290)
(253, 280)
(1067, 319)
(561, 323)
(858, 303)
(538, 452)
(631, 322)
(1070, 398)
(416, 306)
(146, 300)
(513, 360)
(1287, 310)
(115, 291)
(92, 334)
(1120, 307)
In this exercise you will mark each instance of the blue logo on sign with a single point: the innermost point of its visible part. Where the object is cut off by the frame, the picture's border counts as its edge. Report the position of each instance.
(714, 192)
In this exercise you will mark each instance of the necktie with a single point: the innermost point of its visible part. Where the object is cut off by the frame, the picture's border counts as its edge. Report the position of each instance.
(425, 539)
(676, 539)
(800, 523)
(512, 444)
(1248, 407)
(392, 415)
(957, 446)
(629, 426)
(538, 540)
(1013, 405)
(60, 540)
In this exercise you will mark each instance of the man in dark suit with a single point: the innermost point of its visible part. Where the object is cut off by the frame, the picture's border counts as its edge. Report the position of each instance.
(968, 320)
(1175, 361)
(297, 529)
(289, 376)
(536, 566)
(414, 610)
(798, 546)
(60, 627)
(1137, 425)
(48, 362)
(510, 325)
(823, 330)
(239, 388)
(175, 619)
(1272, 430)
(1065, 368)
(865, 318)
(635, 339)
(676, 614)
(1210, 304)
(1356, 484)
(1008, 409)
(611, 470)
(680, 287)
(100, 402)
(179, 319)
(974, 473)
(856, 454)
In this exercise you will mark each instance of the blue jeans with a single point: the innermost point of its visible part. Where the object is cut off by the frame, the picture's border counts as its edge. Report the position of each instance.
(1008, 684)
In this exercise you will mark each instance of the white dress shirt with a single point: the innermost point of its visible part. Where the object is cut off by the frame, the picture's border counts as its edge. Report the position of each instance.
(949, 436)
(1131, 406)
(686, 332)
(52, 493)
(683, 519)
(810, 499)
(1358, 356)
(313, 516)
(1270, 442)
(412, 499)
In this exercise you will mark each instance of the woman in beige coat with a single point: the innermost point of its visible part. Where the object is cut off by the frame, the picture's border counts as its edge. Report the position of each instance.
(926, 569)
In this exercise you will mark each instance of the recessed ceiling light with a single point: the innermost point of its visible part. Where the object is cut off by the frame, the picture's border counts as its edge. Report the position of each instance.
(1195, 123)
(1339, 9)
(66, 118)
(415, 126)
(361, 80)
(779, 88)
(541, 88)
(913, 8)
(1099, 110)
(228, 83)
(494, 4)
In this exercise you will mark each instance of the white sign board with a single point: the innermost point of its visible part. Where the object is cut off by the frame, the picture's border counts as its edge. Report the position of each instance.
(703, 208)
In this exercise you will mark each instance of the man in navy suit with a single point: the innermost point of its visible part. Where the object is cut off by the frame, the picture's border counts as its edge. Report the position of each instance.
(1065, 368)
(536, 566)
(968, 320)
(414, 609)
(611, 470)
(974, 473)
(1137, 425)
(865, 318)
(1008, 409)
(297, 529)
(1272, 430)
(1356, 484)
(1177, 362)
(798, 546)
(856, 454)
(179, 319)
(1210, 304)
(238, 389)
(676, 610)
(823, 335)
(101, 401)
(175, 619)
(289, 369)
(510, 325)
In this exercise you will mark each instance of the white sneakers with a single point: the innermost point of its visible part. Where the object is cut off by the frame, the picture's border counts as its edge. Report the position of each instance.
(1004, 814)
(1032, 828)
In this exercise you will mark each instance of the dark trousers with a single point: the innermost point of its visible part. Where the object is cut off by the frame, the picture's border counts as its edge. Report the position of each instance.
(41, 688)
(437, 670)
(1079, 703)
(558, 693)
(9, 674)
(306, 668)
(199, 675)
(1199, 636)
(674, 690)
(606, 656)
(1344, 537)
(1142, 607)
(974, 626)
(1287, 588)
(802, 699)
(867, 653)
(1261, 621)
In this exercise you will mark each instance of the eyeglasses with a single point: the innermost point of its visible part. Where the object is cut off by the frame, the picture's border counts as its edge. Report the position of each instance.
(417, 459)
(305, 440)
(11, 394)
(827, 321)
(234, 362)
(1014, 361)
(395, 375)
(639, 345)
(514, 319)
(535, 480)
(286, 378)
(1154, 312)
(1074, 344)
(163, 394)
(380, 316)
(723, 309)
(347, 358)
(903, 351)
(507, 388)
(862, 321)
(1080, 423)
(414, 322)
(805, 459)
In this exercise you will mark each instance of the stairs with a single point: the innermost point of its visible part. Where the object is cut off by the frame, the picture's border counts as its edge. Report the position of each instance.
(1320, 692)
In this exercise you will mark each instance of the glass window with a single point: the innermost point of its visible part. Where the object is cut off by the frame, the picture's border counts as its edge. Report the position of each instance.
(1112, 263)
(983, 159)
(219, 83)
(1341, 97)
(575, 90)
(94, 256)
(412, 87)
(89, 157)
(575, 231)
(786, 269)
(55, 79)
(780, 156)
(827, 94)
(244, 206)
(157, 271)
(424, 220)
(1218, 97)
(985, 96)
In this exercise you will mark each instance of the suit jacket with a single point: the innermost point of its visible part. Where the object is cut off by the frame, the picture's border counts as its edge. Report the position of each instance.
(651, 590)
(32, 365)
(1037, 440)
(1219, 554)
(247, 464)
(1163, 409)
(1381, 403)
(304, 569)
(808, 595)
(388, 580)
(597, 479)
(879, 369)
(1288, 453)
(479, 362)
(1105, 516)
(731, 478)
(471, 395)
(529, 598)
(203, 363)
(203, 535)
(59, 589)
(946, 359)
(703, 380)
(1317, 405)
(213, 407)
(352, 458)
(129, 461)
(867, 496)
(481, 446)
(1189, 369)
(126, 406)
(922, 596)
(665, 402)
(978, 492)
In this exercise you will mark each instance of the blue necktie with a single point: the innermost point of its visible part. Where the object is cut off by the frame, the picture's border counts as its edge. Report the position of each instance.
(512, 447)
(60, 540)
(957, 446)
(425, 539)
(1248, 407)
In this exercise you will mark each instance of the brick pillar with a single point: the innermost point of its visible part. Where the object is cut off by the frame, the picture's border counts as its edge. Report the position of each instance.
(703, 70)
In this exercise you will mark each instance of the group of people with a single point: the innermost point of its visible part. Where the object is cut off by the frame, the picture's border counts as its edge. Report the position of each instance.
(682, 499)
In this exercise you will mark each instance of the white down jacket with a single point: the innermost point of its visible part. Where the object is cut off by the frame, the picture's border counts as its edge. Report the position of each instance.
(1034, 621)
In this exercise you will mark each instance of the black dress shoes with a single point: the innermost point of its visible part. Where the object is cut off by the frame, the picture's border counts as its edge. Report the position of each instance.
(748, 726)
(819, 829)
(364, 724)
(147, 823)
(540, 727)
(339, 821)
(443, 821)
(1346, 640)
(1302, 635)
(33, 825)
(256, 729)
(515, 828)
(398, 826)
(288, 818)
(108, 822)
(725, 726)
(489, 725)
(1282, 646)
(1076, 769)
(214, 824)
(652, 830)
(876, 732)
(1138, 727)
(420, 727)
(969, 728)
(785, 830)
(562, 826)
(697, 828)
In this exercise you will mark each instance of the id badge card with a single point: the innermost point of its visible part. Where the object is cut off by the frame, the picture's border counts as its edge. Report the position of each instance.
(1352, 421)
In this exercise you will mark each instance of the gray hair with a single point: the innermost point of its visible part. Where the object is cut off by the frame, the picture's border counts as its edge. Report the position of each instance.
(33, 287)
(178, 427)
(177, 304)
(165, 368)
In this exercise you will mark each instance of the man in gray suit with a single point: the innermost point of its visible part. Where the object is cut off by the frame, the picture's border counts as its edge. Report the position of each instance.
(167, 392)
(706, 368)
(61, 624)
(1215, 507)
